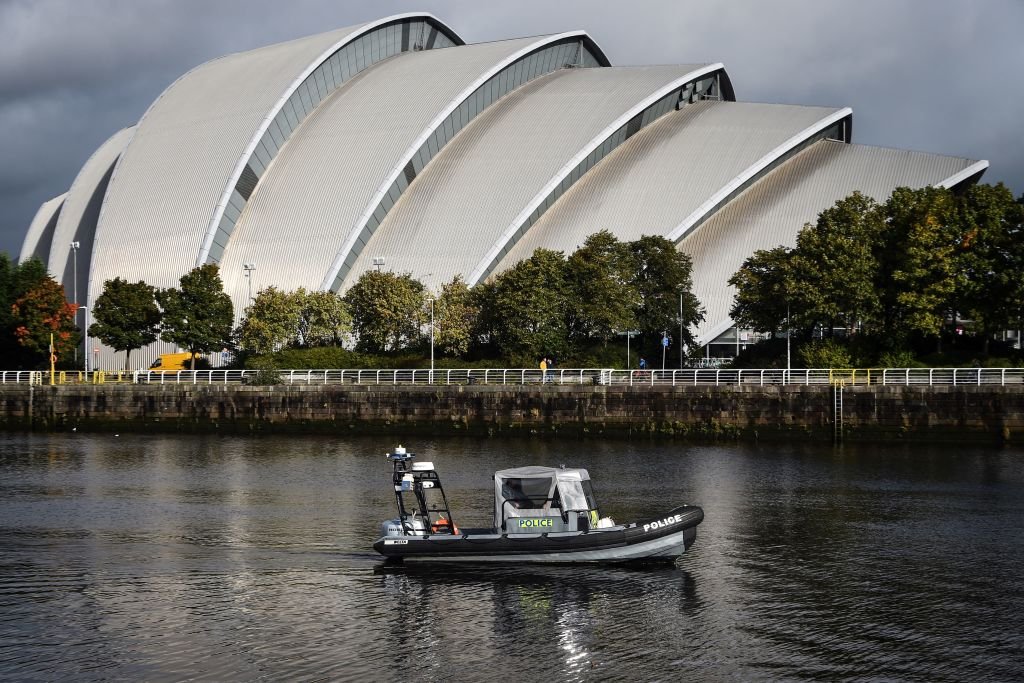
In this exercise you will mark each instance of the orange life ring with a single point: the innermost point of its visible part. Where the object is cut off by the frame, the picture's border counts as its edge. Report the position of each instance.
(442, 526)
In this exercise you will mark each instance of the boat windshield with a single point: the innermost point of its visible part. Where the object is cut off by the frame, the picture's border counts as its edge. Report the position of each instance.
(588, 491)
(526, 493)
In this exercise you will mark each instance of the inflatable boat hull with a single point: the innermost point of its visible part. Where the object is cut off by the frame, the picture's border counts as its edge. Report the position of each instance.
(662, 538)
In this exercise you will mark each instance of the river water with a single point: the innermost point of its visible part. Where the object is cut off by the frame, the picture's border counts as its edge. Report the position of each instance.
(211, 558)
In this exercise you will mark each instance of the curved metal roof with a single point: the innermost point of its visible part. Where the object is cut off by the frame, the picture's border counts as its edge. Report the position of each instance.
(668, 171)
(40, 232)
(332, 174)
(772, 210)
(465, 201)
(77, 222)
(188, 148)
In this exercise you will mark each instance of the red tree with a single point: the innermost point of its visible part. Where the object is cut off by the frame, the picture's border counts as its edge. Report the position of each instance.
(40, 312)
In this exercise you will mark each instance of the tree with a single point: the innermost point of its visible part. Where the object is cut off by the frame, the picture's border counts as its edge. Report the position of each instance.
(917, 274)
(324, 319)
(835, 265)
(990, 286)
(271, 321)
(198, 315)
(604, 293)
(455, 316)
(525, 314)
(387, 310)
(126, 316)
(765, 291)
(662, 274)
(42, 313)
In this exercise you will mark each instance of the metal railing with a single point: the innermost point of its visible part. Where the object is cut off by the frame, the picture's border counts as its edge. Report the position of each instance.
(525, 376)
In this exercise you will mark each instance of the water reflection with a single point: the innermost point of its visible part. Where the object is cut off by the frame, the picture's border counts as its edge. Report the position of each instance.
(511, 612)
(164, 558)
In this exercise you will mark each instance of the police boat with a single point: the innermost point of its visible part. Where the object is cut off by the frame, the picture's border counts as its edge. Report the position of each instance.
(541, 514)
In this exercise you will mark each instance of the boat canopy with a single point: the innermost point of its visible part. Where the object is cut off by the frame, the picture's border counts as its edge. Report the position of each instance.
(540, 492)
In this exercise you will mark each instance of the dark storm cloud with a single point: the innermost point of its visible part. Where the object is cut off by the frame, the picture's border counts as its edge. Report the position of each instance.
(939, 76)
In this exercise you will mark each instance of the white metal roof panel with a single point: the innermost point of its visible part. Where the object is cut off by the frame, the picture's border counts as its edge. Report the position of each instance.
(665, 172)
(40, 231)
(466, 199)
(772, 211)
(77, 222)
(333, 168)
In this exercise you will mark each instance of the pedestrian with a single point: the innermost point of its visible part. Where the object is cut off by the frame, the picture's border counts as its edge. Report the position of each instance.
(544, 369)
(643, 363)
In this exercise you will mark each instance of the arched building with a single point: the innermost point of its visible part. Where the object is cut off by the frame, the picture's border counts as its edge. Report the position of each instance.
(393, 140)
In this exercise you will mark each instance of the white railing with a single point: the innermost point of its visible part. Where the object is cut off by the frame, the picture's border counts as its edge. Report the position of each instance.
(607, 377)
(527, 376)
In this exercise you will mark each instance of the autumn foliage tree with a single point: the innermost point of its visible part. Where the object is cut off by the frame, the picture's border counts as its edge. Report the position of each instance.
(40, 313)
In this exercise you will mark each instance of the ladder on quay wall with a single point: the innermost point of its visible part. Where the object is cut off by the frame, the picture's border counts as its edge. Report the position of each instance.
(837, 412)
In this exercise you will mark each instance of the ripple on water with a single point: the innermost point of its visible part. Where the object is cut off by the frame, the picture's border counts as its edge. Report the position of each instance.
(168, 558)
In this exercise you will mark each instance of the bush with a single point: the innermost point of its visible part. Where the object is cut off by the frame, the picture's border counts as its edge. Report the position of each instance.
(267, 372)
(313, 358)
(899, 359)
(825, 353)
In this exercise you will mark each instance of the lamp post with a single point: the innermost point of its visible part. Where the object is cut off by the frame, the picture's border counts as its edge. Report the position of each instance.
(74, 290)
(680, 328)
(431, 340)
(85, 337)
(789, 333)
(378, 262)
(248, 268)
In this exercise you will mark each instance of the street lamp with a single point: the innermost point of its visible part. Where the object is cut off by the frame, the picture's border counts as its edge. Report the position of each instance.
(248, 268)
(85, 337)
(680, 328)
(431, 339)
(378, 262)
(74, 265)
(74, 289)
(789, 333)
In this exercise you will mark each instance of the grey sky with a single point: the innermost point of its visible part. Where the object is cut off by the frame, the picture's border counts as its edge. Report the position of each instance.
(939, 76)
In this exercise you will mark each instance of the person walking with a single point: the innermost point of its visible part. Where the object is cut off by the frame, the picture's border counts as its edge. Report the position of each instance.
(544, 369)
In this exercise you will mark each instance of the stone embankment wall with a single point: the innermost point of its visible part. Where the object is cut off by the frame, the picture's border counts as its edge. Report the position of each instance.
(972, 413)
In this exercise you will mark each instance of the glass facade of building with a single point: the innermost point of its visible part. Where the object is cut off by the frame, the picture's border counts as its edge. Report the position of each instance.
(384, 41)
(569, 53)
(706, 87)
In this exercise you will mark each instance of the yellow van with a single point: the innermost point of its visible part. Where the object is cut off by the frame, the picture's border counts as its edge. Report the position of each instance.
(171, 362)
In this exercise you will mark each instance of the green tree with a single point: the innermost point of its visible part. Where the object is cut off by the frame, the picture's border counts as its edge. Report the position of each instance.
(325, 319)
(126, 315)
(42, 313)
(455, 316)
(198, 314)
(766, 293)
(387, 311)
(603, 290)
(271, 321)
(662, 275)
(835, 264)
(524, 308)
(990, 286)
(918, 269)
